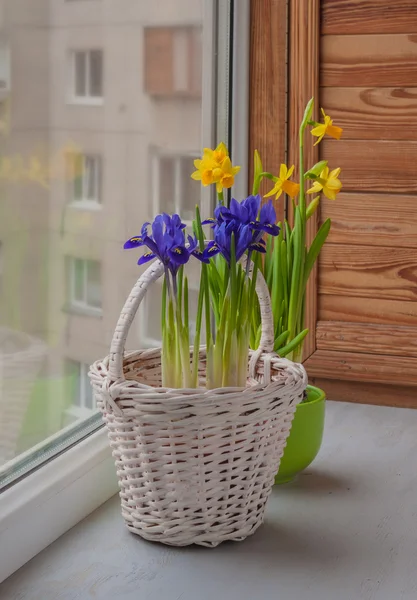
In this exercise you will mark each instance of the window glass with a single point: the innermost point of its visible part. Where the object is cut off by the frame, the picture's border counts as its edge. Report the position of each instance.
(63, 272)
(93, 283)
(80, 73)
(96, 73)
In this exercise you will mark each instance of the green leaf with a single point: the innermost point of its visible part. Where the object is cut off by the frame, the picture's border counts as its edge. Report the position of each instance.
(315, 171)
(281, 339)
(315, 248)
(293, 344)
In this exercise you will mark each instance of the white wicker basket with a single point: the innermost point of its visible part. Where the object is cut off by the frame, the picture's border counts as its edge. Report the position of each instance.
(195, 466)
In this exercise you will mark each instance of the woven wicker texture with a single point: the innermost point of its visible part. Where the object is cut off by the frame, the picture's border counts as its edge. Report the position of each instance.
(195, 465)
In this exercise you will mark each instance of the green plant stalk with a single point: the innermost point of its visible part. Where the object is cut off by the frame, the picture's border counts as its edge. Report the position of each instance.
(205, 299)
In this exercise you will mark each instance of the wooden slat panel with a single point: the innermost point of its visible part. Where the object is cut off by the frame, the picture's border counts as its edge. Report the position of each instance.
(368, 60)
(373, 166)
(368, 272)
(368, 393)
(268, 95)
(373, 113)
(368, 16)
(304, 36)
(367, 337)
(390, 312)
(372, 220)
(353, 366)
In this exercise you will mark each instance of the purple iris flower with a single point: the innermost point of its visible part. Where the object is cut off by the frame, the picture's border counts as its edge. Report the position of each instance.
(166, 242)
(223, 236)
(249, 212)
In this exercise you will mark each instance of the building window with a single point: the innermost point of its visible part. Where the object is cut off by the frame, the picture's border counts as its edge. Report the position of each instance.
(173, 58)
(87, 76)
(4, 65)
(173, 190)
(85, 179)
(81, 401)
(84, 289)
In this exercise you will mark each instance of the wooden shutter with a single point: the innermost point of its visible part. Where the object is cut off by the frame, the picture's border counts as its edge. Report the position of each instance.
(366, 317)
(159, 49)
(359, 59)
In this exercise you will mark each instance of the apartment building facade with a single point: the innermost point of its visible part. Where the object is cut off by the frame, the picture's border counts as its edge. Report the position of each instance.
(107, 94)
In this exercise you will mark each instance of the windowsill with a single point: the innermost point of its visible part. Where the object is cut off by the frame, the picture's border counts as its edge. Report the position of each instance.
(76, 413)
(83, 311)
(85, 101)
(89, 205)
(330, 534)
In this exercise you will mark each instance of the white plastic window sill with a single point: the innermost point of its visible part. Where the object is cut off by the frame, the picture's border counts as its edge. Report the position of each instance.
(85, 101)
(40, 508)
(91, 205)
(83, 310)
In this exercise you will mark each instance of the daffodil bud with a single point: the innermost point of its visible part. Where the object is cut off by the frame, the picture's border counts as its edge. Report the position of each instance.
(315, 171)
(312, 207)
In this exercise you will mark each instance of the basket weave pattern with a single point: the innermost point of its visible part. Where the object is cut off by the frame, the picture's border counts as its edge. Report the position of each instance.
(194, 465)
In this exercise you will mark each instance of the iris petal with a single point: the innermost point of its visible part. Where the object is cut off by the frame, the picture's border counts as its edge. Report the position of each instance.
(134, 242)
(146, 258)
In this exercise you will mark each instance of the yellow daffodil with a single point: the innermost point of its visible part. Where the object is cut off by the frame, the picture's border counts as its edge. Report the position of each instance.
(215, 167)
(328, 183)
(283, 184)
(326, 128)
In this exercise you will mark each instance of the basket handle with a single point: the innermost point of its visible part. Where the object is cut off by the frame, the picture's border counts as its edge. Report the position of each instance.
(115, 372)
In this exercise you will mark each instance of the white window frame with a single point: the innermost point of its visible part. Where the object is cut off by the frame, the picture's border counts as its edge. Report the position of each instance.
(85, 202)
(83, 476)
(87, 99)
(156, 156)
(81, 306)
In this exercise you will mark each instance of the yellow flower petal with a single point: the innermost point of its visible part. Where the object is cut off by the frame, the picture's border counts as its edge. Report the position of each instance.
(319, 130)
(283, 172)
(227, 180)
(335, 173)
(207, 177)
(316, 187)
(196, 175)
(290, 172)
(330, 194)
(291, 188)
(275, 190)
(334, 132)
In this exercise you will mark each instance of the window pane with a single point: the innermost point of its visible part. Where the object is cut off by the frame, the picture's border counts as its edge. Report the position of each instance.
(93, 284)
(166, 184)
(78, 279)
(80, 73)
(187, 189)
(91, 178)
(96, 73)
(73, 370)
(64, 276)
(77, 174)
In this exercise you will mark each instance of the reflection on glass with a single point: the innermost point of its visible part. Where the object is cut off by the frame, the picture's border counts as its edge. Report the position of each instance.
(98, 130)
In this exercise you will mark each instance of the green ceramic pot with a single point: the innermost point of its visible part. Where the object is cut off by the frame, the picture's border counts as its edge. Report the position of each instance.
(305, 436)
